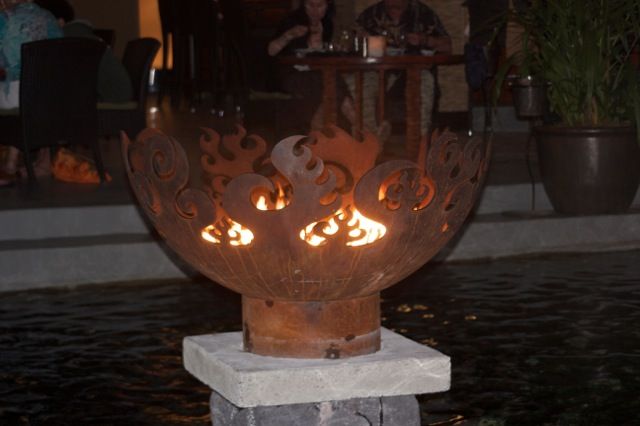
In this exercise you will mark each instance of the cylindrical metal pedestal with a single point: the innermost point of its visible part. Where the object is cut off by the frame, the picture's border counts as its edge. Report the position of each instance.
(323, 329)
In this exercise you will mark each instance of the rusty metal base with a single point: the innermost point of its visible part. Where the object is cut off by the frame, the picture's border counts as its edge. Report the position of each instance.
(324, 329)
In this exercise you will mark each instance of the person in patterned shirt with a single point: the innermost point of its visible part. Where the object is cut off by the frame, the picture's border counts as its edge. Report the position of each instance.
(407, 24)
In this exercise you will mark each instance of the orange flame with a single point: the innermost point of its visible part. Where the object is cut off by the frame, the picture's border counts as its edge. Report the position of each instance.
(238, 234)
(361, 230)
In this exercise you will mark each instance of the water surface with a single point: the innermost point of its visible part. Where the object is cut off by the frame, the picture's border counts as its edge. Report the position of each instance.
(542, 341)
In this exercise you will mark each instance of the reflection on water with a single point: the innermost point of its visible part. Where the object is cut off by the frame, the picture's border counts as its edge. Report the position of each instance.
(546, 341)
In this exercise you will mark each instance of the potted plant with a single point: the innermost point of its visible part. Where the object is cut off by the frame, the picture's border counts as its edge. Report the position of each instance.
(589, 158)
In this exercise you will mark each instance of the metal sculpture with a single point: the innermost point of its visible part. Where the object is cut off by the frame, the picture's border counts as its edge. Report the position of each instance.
(311, 233)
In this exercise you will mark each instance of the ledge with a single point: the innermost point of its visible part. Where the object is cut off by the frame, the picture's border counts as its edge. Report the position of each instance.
(401, 367)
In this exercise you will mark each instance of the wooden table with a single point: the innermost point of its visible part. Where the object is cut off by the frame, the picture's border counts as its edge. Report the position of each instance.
(330, 66)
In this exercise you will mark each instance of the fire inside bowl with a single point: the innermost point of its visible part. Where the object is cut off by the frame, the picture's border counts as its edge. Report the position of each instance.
(309, 233)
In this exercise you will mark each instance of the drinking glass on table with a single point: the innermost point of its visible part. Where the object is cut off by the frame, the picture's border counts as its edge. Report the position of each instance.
(345, 42)
(401, 40)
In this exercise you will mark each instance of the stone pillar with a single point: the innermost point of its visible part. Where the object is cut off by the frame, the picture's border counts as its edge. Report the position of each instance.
(375, 389)
(391, 410)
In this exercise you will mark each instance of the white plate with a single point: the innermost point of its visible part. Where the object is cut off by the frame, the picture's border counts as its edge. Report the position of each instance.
(395, 51)
(425, 52)
(301, 53)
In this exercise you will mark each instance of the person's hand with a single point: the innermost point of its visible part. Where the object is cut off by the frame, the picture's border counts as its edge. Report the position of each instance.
(416, 39)
(276, 46)
(297, 31)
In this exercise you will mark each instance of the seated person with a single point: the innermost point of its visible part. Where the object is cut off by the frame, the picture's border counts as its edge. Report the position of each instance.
(20, 22)
(114, 83)
(403, 22)
(310, 26)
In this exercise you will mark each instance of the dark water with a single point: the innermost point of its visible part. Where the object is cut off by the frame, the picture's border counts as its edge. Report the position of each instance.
(545, 341)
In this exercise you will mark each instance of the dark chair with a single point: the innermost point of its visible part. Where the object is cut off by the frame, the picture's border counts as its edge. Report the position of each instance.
(234, 42)
(57, 98)
(196, 51)
(177, 22)
(208, 43)
(130, 117)
(106, 35)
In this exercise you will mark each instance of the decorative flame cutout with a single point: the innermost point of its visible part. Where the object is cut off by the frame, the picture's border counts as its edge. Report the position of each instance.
(317, 218)
(360, 230)
(236, 234)
(281, 200)
(228, 230)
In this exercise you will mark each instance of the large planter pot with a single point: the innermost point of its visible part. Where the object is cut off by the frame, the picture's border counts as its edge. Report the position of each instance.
(529, 96)
(589, 170)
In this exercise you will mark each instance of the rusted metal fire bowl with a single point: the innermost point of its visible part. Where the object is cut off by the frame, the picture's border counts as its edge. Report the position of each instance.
(310, 233)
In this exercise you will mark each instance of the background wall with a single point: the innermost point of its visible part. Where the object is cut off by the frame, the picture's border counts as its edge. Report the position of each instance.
(150, 27)
(119, 15)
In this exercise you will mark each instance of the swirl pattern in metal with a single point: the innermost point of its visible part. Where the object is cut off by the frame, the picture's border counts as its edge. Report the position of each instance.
(304, 187)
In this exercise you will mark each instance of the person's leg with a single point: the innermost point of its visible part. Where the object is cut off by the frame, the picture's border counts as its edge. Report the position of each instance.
(9, 95)
(306, 89)
(427, 93)
(369, 96)
(348, 110)
(369, 103)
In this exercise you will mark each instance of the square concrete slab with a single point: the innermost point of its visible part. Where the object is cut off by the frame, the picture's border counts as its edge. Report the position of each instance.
(401, 367)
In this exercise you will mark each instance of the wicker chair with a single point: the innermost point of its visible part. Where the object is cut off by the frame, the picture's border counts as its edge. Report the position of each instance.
(130, 117)
(57, 98)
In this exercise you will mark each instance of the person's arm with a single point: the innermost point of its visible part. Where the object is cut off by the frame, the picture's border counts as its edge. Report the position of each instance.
(435, 37)
(440, 44)
(279, 43)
